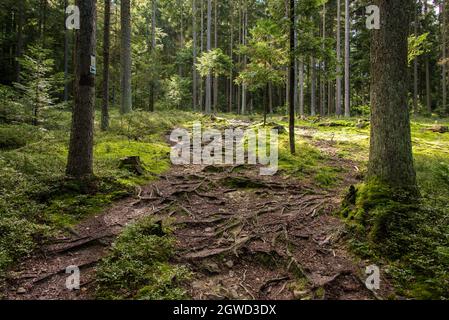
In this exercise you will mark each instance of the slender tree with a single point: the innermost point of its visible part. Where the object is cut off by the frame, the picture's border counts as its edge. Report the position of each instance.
(209, 76)
(80, 158)
(106, 45)
(443, 14)
(215, 46)
(126, 62)
(194, 72)
(338, 81)
(347, 67)
(66, 58)
(291, 102)
(390, 159)
(427, 67)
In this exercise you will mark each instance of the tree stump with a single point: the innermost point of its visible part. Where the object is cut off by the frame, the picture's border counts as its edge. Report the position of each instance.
(132, 164)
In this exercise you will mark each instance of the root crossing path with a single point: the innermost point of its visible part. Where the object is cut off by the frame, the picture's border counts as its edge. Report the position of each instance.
(244, 236)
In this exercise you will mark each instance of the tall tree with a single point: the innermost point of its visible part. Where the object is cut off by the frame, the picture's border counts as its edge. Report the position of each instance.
(80, 158)
(194, 73)
(427, 67)
(338, 81)
(126, 62)
(106, 45)
(209, 75)
(215, 47)
(292, 70)
(347, 67)
(391, 159)
(443, 8)
(66, 58)
(415, 61)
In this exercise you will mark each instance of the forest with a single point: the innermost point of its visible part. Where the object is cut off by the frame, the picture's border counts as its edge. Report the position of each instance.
(98, 98)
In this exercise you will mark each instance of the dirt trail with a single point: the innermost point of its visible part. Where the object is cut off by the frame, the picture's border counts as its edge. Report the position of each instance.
(243, 235)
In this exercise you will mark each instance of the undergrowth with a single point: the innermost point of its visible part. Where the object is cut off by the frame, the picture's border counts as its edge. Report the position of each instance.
(138, 266)
(38, 201)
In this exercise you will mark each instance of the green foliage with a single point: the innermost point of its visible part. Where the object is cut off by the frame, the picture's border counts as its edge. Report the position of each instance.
(267, 53)
(35, 80)
(138, 267)
(176, 92)
(417, 46)
(10, 110)
(214, 62)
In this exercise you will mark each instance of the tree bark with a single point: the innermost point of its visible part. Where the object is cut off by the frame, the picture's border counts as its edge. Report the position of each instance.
(106, 44)
(80, 158)
(415, 67)
(443, 9)
(347, 62)
(209, 76)
(391, 160)
(313, 87)
(291, 102)
(215, 46)
(194, 72)
(338, 81)
(126, 62)
(301, 87)
(427, 67)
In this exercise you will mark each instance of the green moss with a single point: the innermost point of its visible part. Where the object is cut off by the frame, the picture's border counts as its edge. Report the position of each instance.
(138, 268)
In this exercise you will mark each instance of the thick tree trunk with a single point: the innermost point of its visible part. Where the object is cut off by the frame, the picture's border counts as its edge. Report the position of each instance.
(338, 81)
(80, 158)
(347, 67)
(106, 44)
(126, 63)
(391, 159)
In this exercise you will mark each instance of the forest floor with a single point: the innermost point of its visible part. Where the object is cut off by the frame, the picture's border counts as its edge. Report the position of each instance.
(233, 234)
(242, 235)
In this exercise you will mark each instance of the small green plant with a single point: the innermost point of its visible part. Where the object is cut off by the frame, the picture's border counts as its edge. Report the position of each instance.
(138, 266)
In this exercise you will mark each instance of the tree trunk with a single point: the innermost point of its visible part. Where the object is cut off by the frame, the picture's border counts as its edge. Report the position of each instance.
(427, 66)
(126, 63)
(391, 159)
(347, 67)
(231, 53)
(19, 48)
(106, 44)
(415, 68)
(443, 9)
(291, 102)
(80, 158)
(244, 33)
(209, 76)
(338, 82)
(313, 87)
(215, 46)
(194, 72)
(153, 50)
(301, 87)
